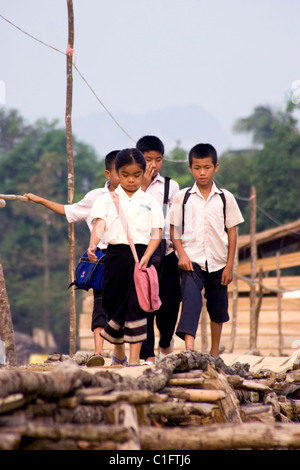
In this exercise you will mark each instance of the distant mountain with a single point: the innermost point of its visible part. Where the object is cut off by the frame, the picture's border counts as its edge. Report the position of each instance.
(189, 125)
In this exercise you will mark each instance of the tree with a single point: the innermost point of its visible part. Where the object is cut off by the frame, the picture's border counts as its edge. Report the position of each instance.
(274, 170)
(41, 163)
(12, 129)
(262, 124)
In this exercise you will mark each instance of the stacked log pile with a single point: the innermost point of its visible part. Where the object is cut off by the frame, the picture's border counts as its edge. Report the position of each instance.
(191, 401)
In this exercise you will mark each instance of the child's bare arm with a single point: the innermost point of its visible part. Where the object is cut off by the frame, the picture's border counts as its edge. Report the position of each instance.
(53, 206)
(153, 244)
(227, 274)
(184, 261)
(95, 238)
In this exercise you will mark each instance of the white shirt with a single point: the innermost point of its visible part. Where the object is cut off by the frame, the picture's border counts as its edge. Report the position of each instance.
(142, 212)
(82, 210)
(204, 238)
(157, 189)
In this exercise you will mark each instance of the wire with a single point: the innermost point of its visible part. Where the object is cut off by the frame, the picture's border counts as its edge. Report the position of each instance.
(113, 118)
(75, 67)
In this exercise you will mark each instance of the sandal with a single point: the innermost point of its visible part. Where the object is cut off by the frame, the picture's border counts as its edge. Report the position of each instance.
(95, 360)
(116, 361)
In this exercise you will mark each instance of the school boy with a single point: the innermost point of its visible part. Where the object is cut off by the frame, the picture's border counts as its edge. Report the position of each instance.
(75, 213)
(203, 230)
(165, 262)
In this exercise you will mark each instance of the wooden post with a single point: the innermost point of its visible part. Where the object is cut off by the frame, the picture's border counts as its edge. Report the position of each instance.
(46, 260)
(253, 269)
(7, 334)
(235, 295)
(203, 323)
(71, 231)
(280, 340)
(259, 300)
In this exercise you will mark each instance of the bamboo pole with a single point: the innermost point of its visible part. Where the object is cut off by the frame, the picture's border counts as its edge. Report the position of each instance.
(253, 269)
(235, 295)
(280, 342)
(71, 231)
(6, 326)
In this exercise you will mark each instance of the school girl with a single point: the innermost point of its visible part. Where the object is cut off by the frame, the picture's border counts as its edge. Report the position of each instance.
(127, 321)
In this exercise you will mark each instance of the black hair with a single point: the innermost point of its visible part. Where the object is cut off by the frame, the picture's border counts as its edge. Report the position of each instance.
(203, 151)
(129, 157)
(150, 143)
(110, 159)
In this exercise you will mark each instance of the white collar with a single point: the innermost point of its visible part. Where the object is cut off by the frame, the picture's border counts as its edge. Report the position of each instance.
(159, 178)
(137, 195)
(214, 189)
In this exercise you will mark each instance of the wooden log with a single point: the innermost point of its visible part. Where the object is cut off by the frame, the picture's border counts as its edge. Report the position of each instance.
(12, 402)
(272, 399)
(221, 437)
(293, 376)
(247, 396)
(63, 379)
(180, 410)
(10, 440)
(80, 414)
(255, 386)
(291, 409)
(196, 394)
(229, 404)
(188, 375)
(186, 381)
(257, 413)
(131, 396)
(88, 432)
(124, 414)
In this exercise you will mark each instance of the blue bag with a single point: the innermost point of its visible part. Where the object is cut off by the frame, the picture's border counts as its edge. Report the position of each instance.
(89, 275)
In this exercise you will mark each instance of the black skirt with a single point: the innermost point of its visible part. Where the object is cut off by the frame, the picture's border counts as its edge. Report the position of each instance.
(127, 322)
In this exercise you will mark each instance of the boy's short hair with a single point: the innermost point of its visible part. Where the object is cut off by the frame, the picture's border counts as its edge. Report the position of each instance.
(150, 143)
(110, 159)
(203, 151)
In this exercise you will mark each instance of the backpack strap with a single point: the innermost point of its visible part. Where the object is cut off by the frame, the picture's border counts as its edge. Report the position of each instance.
(187, 195)
(166, 195)
(222, 195)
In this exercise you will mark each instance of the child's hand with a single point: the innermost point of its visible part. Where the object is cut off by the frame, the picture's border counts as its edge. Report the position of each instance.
(91, 253)
(185, 263)
(144, 262)
(32, 197)
(147, 177)
(227, 276)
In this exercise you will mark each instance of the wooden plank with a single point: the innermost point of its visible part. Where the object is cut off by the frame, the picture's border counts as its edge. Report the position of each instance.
(269, 264)
(287, 282)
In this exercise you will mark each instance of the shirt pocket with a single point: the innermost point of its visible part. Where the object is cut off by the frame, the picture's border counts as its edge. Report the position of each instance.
(143, 220)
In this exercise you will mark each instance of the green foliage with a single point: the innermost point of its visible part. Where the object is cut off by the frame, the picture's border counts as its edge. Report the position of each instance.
(38, 163)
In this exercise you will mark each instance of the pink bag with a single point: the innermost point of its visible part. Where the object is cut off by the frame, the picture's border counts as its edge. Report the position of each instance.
(145, 279)
(147, 288)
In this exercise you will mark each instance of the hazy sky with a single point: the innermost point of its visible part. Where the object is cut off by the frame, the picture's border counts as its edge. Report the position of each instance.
(226, 56)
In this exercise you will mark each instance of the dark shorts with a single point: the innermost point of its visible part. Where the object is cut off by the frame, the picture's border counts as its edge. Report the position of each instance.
(192, 283)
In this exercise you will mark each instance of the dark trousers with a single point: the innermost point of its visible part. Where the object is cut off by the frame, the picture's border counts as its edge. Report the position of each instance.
(166, 316)
(192, 283)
